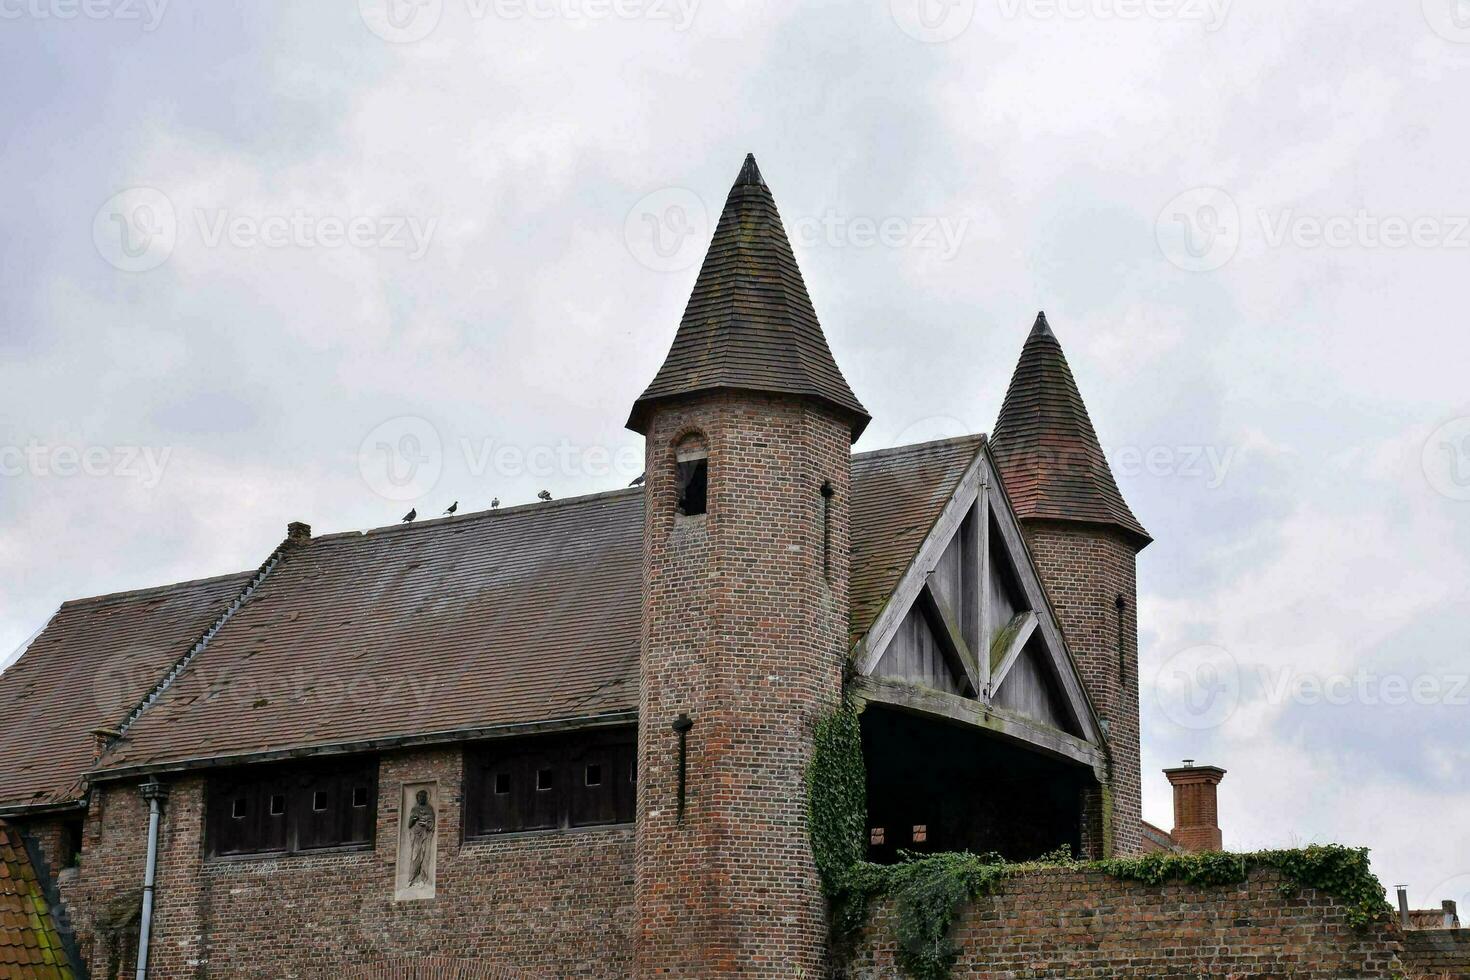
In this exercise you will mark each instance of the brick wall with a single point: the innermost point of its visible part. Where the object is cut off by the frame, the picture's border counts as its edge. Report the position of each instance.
(745, 630)
(1080, 925)
(554, 904)
(1084, 569)
(1432, 954)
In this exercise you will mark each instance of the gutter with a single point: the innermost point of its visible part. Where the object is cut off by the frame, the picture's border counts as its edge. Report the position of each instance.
(616, 719)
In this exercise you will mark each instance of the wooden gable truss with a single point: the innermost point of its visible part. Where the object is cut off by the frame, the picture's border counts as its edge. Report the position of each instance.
(969, 636)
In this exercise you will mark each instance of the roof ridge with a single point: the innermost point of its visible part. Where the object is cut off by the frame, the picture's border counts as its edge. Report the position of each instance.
(480, 515)
(147, 589)
(910, 447)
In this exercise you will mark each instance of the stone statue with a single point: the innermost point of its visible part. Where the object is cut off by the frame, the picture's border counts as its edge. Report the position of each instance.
(421, 839)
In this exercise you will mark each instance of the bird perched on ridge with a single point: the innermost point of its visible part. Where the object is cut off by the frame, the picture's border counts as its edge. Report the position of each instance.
(638, 480)
(410, 515)
(494, 503)
(544, 495)
(452, 508)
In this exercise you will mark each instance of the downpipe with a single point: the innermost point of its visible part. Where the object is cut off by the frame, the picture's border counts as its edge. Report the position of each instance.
(155, 793)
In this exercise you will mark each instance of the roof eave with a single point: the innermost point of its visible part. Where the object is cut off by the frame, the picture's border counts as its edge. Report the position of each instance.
(640, 417)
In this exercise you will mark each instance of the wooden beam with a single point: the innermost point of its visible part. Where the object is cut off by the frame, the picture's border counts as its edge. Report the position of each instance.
(1008, 645)
(1003, 724)
(982, 529)
(950, 635)
(1078, 702)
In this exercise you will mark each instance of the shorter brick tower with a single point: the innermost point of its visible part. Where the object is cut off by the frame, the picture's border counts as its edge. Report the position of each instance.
(1085, 541)
(749, 425)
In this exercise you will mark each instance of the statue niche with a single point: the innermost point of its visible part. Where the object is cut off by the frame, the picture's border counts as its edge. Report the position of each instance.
(418, 842)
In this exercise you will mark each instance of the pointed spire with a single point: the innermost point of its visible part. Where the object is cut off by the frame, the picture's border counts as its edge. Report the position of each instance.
(1047, 450)
(750, 324)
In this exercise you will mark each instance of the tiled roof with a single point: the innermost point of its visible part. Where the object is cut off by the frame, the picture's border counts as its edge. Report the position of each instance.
(750, 324)
(518, 616)
(94, 661)
(897, 495)
(498, 618)
(1046, 448)
(30, 944)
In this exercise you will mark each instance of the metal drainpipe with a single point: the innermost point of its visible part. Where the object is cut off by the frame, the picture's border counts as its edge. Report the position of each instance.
(155, 793)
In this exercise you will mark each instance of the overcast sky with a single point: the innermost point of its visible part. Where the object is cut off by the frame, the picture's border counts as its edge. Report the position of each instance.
(249, 258)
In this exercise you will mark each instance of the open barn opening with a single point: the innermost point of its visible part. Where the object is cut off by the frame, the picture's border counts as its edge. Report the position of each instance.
(937, 786)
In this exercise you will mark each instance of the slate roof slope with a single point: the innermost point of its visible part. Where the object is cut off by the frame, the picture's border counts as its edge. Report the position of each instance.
(498, 618)
(1047, 449)
(750, 324)
(523, 615)
(31, 947)
(897, 496)
(92, 663)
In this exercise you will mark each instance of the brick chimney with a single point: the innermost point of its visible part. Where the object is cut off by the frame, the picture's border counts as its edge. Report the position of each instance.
(298, 533)
(1196, 814)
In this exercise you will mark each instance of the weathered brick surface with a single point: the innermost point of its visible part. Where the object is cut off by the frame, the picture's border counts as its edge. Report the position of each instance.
(534, 905)
(745, 630)
(1085, 568)
(1080, 925)
(1432, 954)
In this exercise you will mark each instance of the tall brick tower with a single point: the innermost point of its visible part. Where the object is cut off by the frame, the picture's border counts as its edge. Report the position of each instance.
(1085, 541)
(749, 425)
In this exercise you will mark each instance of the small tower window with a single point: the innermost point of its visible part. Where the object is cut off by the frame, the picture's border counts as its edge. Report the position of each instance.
(692, 473)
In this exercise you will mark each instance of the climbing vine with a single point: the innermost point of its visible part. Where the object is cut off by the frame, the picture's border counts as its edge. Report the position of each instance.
(837, 797)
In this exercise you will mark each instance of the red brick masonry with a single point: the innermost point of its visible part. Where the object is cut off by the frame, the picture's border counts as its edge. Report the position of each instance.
(1079, 925)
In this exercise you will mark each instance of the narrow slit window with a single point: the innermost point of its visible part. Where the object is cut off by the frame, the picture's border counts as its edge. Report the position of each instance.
(359, 796)
(240, 808)
(502, 783)
(594, 775)
(319, 800)
(278, 805)
(545, 779)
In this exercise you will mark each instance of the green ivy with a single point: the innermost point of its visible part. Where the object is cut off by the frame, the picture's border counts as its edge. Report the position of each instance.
(1343, 872)
(837, 797)
(928, 891)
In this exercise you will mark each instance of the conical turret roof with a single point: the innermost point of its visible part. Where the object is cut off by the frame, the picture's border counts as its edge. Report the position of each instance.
(1047, 449)
(750, 324)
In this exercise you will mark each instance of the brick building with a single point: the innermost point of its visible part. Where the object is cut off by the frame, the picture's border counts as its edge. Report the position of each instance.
(571, 738)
